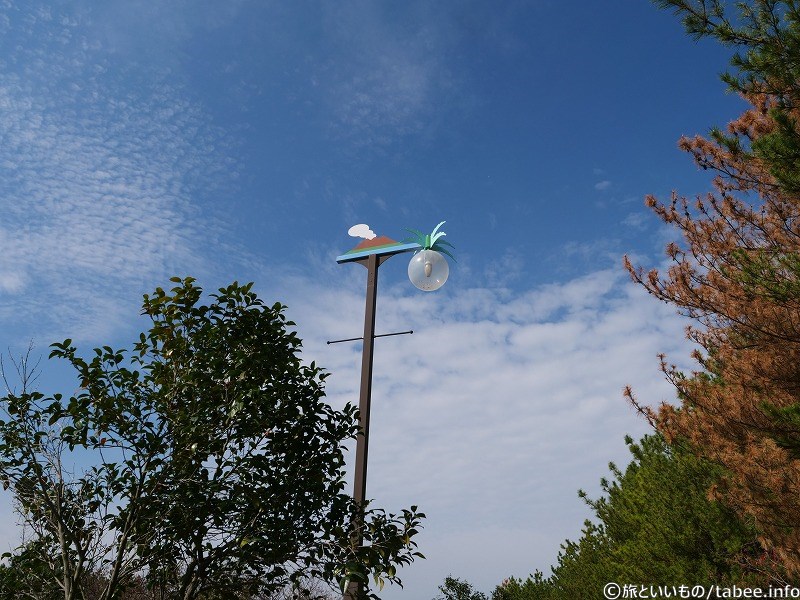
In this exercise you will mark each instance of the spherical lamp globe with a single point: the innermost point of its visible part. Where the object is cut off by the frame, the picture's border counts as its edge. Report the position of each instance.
(428, 270)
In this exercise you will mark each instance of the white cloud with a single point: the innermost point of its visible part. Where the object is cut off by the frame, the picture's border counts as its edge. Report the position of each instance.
(496, 410)
(602, 185)
(11, 282)
(590, 251)
(387, 80)
(99, 185)
(637, 220)
(505, 269)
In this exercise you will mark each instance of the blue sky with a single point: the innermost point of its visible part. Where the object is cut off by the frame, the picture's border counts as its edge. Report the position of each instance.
(240, 141)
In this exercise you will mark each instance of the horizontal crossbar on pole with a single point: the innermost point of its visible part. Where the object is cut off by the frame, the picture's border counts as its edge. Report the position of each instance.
(376, 336)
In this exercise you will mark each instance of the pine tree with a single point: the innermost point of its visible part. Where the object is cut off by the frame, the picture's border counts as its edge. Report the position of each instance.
(737, 275)
(653, 524)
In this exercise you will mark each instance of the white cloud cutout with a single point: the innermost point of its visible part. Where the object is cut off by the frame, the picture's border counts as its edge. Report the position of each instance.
(361, 230)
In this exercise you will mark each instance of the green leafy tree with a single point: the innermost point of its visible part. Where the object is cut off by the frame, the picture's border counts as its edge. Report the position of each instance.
(26, 576)
(457, 589)
(216, 468)
(653, 524)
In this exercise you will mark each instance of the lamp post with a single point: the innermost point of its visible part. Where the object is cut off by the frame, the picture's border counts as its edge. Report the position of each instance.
(428, 271)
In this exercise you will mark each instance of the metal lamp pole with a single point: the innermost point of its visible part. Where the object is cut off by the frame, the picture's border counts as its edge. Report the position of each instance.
(371, 262)
(372, 259)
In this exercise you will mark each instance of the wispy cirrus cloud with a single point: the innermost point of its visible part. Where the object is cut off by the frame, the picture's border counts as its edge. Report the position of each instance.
(637, 220)
(101, 183)
(602, 185)
(386, 79)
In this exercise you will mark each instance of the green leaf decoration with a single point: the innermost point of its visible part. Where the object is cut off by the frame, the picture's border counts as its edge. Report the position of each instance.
(432, 241)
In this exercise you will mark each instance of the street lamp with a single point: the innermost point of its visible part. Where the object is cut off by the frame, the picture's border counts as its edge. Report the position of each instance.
(428, 271)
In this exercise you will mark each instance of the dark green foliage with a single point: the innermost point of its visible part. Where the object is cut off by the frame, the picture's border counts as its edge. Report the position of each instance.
(534, 587)
(654, 524)
(217, 467)
(456, 589)
(766, 35)
(767, 273)
(788, 420)
(26, 576)
(661, 525)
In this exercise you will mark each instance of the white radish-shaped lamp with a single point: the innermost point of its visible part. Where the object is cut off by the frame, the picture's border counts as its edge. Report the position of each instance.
(428, 269)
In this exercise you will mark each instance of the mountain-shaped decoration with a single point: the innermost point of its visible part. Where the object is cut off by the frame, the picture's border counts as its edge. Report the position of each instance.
(380, 241)
(376, 244)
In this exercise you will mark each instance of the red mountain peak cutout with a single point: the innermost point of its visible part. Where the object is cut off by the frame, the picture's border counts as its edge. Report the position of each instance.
(380, 240)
